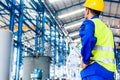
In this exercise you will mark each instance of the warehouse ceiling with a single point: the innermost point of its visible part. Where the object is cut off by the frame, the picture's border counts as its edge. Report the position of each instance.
(68, 13)
(71, 23)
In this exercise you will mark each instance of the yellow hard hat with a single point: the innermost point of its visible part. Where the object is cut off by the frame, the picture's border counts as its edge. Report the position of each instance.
(95, 4)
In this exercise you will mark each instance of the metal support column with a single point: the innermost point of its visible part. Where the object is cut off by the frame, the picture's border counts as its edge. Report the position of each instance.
(63, 52)
(54, 56)
(12, 16)
(51, 48)
(50, 38)
(59, 49)
(19, 49)
(68, 48)
(37, 34)
(55, 45)
(60, 54)
(43, 31)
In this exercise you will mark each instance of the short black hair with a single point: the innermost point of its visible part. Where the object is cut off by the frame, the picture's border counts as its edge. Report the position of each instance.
(95, 12)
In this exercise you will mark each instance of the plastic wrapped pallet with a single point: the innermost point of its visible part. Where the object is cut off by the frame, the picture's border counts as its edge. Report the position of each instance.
(73, 65)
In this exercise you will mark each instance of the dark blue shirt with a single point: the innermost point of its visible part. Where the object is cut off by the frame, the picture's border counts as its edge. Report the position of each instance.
(88, 39)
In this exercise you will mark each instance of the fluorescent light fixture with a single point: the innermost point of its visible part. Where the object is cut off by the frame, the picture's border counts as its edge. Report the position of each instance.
(73, 25)
(52, 1)
(71, 13)
(74, 34)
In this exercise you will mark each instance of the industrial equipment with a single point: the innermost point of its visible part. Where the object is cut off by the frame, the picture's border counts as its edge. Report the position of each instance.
(32, 62)
(37, 74)
(6, 45)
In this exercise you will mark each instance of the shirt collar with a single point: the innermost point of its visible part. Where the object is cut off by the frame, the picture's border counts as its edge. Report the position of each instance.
(95, 17)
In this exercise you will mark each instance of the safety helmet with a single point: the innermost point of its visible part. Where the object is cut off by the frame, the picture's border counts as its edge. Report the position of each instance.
(95, 4)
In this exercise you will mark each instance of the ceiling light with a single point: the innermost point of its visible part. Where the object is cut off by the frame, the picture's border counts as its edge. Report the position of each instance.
(73, 25)
(71, 13)
(52, 1)
(74, 34)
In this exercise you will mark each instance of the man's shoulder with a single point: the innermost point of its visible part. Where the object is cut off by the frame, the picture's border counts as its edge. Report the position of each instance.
(88, 22)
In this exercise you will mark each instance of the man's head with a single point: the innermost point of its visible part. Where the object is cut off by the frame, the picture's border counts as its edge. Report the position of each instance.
(89, 13)
(93, 7)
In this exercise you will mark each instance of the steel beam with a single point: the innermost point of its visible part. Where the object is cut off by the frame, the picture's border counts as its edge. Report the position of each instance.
(55, 45)
(63, 53)
(8, 8)
(112, 1)
(28, 48)
(59, 50)
(68, 48)
(19, 49)
(28, 39)
(118, 17)
(51, 14)
(50, 38)
(43, 30)
(12, 16)
(37, 34)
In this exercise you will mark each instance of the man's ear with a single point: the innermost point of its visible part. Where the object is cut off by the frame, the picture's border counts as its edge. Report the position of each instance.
(87, 11)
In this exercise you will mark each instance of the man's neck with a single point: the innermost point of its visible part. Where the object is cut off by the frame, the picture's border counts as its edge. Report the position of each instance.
(90, 16)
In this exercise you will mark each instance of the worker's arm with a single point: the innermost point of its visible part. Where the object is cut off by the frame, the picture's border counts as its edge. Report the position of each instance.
(88, 41)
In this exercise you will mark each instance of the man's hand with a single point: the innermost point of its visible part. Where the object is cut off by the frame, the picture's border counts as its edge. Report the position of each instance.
(83, 66)
(80, 57)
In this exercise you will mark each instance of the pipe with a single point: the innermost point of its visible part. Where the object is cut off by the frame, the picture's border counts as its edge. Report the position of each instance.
(6, 46)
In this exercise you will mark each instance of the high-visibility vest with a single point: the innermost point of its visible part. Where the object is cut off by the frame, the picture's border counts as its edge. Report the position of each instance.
(103, 52)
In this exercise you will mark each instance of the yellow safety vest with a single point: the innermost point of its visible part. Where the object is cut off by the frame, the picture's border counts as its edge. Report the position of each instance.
(103, 52)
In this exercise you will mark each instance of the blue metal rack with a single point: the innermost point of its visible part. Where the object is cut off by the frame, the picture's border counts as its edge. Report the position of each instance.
(18, 15)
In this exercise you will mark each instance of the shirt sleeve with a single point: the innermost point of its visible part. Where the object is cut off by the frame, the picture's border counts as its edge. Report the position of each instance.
(88, 40)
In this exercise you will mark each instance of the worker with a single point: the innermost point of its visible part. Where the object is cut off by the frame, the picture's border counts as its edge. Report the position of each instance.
(98, 59)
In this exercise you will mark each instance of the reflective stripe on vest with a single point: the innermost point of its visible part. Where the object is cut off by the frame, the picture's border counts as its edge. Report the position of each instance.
(104, 48)
(105, 60)
(111, 61)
